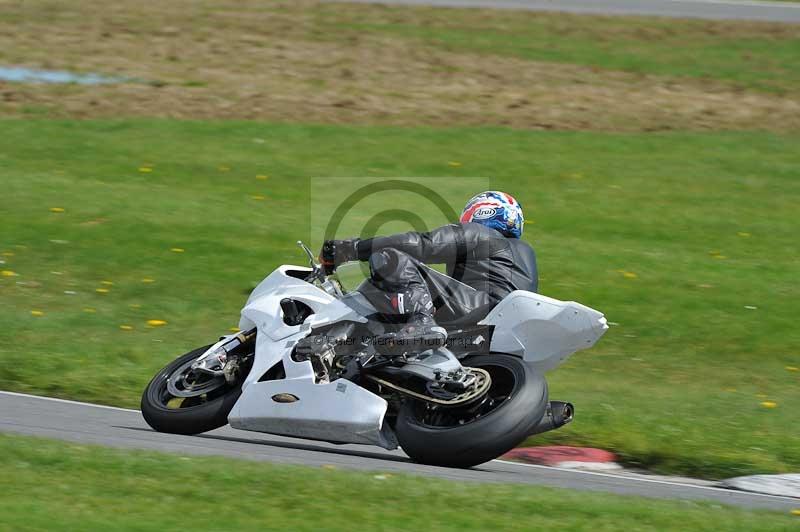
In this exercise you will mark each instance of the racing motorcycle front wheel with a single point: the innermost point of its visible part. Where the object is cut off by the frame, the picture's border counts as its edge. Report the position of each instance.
(181, 401)
(469, 435)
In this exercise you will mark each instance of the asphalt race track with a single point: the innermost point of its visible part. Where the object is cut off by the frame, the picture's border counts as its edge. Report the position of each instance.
(118, 427)
(705, 9)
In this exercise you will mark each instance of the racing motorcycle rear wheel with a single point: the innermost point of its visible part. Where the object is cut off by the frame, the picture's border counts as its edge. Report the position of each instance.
(470, 435)
(174, 403)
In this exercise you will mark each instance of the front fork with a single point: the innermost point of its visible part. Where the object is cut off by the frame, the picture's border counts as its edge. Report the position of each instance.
(222, 361)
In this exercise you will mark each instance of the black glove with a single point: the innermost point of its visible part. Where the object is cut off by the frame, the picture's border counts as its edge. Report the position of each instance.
(336, 252)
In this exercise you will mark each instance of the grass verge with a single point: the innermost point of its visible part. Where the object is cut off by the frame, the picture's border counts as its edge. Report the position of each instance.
(686, 241)
(750, 54)
(58, 486)
(338, 63)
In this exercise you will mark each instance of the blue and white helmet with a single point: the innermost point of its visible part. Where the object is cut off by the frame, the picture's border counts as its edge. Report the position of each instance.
(497, 210)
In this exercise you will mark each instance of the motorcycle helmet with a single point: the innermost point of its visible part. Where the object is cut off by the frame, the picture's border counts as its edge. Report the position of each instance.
(497, 210)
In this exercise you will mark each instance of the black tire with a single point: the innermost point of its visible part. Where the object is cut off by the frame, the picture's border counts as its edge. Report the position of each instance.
(485, 437)
(203, 417)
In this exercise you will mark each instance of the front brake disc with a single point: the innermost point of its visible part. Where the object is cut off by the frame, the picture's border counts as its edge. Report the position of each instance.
(178, 386)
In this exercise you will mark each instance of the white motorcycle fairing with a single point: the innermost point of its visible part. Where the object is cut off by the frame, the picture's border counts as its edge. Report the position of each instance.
(339, 411)
(541, 330)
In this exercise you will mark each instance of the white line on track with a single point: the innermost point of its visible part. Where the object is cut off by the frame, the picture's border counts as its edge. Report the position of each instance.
(506, 462)
(57, 400)
(650, 480)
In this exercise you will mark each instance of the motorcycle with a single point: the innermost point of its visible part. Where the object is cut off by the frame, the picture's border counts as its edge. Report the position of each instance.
(316, 361)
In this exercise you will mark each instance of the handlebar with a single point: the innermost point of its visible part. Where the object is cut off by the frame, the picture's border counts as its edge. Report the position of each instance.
(327, 283)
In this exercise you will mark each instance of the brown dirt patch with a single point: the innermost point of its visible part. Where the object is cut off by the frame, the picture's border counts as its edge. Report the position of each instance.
(251, 60)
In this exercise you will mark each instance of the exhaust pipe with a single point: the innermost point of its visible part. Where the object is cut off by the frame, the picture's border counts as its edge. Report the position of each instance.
(556, 415)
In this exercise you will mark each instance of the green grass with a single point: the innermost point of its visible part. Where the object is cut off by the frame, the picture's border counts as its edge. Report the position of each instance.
(750, 54)
(60, 486)
(704, 225)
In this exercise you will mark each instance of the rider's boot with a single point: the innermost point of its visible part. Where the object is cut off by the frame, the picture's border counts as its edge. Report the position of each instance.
(420, 333)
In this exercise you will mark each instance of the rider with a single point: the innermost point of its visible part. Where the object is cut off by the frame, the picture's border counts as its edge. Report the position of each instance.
(484, 255)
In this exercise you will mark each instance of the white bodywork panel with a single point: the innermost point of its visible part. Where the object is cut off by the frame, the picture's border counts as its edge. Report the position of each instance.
(337, 411)
(542, 330)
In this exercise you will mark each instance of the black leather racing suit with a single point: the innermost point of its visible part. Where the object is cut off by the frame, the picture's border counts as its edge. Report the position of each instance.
(483, 266)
